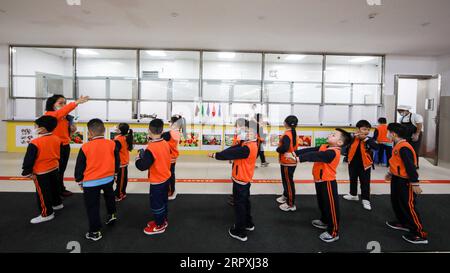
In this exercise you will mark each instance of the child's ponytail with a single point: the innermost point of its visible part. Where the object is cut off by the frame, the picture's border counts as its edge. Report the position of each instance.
(130, 140)
(292, 122)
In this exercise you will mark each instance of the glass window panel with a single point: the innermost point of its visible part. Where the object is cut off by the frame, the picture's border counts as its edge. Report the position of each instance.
(337, 93)
(24, 87)
(244, 110)
(293, 67)
(33, 60)
(307, 114)
(246, 92)
(353, 69)
(120, 110)
(156, 90)
(106, 62)
(216, 91)
(366, 94)
(120, 89)
(185, 90)
(95, 89)
(335, 115)
(369, 113)
(215, 113)
(278, 112)
(169, 64)
(25, 109)
(307, 92)
(186, 110)
(232, 66)
(92, 109)
(153, 107)
(278, 92)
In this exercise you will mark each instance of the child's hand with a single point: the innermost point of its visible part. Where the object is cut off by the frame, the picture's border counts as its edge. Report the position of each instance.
(417, 189)
(291, 156)
(81, 185)
(212, 155)
(82, 100)
(388, 177)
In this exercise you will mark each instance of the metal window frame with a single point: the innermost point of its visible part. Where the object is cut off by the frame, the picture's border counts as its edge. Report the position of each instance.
(263, 97)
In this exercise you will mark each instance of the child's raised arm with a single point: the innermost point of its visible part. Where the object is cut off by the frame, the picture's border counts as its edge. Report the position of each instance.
(29, 159)
(232, 153)
(144, 160)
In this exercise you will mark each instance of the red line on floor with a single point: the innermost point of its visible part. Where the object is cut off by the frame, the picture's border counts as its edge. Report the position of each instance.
(256, 181)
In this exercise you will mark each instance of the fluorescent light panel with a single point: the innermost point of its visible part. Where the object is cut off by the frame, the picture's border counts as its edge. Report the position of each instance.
(156, 53)
(227, 55)
(361, 59)
(84, 51)
(295, 57)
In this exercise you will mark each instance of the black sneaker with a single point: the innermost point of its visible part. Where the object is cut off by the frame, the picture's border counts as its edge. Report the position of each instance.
(94, 236)
(230, 200)
(414, 239)
(250, 227)
(66, 193)
(396, 225)
(233, 233)
(111, 219)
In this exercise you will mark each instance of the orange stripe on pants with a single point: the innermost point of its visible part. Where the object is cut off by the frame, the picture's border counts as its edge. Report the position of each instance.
(41, 197)
(121, 181)
(288, 183)
(413, 212)
(332, 209)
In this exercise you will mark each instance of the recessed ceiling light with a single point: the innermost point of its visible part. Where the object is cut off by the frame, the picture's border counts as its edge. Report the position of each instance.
(156, 53)
(84, 51)
(174, 14)
(361, 59)
(373, 2)
(295, 57)
(226, 55)
(73, 2)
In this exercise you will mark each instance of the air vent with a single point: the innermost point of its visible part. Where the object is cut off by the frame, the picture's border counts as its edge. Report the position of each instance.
(150, 74)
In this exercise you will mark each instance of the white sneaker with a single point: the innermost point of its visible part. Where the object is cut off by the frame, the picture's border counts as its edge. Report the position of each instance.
(366, 204)
(286, 207)
(326, 237)
(265, 164)
(41, 219)
(351, 197)
(58, 207)
(319, 224)
(173, 196)
(282, 199)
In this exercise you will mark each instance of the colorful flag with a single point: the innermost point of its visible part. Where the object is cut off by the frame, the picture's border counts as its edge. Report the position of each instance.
(219, 113)
(196, 110)
(203, 111)
(207, 110)
(214, 110)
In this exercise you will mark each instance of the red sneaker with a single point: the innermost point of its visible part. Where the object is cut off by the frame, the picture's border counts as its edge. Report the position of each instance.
(166, 224)
(154, 229)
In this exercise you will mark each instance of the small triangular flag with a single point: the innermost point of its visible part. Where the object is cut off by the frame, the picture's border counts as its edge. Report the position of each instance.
(214, 110)
(196, 110)
(207, 110)
(219, 112)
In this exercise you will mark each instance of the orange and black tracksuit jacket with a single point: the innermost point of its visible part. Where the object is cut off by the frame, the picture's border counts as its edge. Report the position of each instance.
(122, 175)
(326, 160)
(402, 167)
(97, 162)
(42, 160)
(172, 137)
(381, 134)
(244, 160)
(61, 129)
(287, 165)
(360, 161)
(156, 159)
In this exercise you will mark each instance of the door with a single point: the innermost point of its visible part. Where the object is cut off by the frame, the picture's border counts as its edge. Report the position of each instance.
(422, 93)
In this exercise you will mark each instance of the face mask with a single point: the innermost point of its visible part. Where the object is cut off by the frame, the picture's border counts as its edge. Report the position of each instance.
(37, 131)
(58, 107)
(242, 135)
(403, 114)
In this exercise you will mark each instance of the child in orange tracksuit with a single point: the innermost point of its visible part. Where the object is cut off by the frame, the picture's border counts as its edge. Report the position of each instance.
(405, 187)
(125, 139)
(244, 160)
(238, 135)
(156, 159)
(173, 137)
(288, 144)
(384, 143)
(41, 163)
(97, 165)
(326, 159)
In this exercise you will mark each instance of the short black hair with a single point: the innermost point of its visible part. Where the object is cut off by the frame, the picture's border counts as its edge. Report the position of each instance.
(398, 129)
(156, 126)
(363, 123)
(96, 126)
(346, 137)
(48, 122)
(50, 103)
(382, 121)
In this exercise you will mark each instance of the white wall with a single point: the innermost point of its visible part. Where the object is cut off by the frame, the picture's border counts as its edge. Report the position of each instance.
(3, 93)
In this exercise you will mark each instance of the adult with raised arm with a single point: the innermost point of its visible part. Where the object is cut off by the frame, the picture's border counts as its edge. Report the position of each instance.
(56, 106)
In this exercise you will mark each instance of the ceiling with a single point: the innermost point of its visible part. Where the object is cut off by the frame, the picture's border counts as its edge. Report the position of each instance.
(403, 27)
